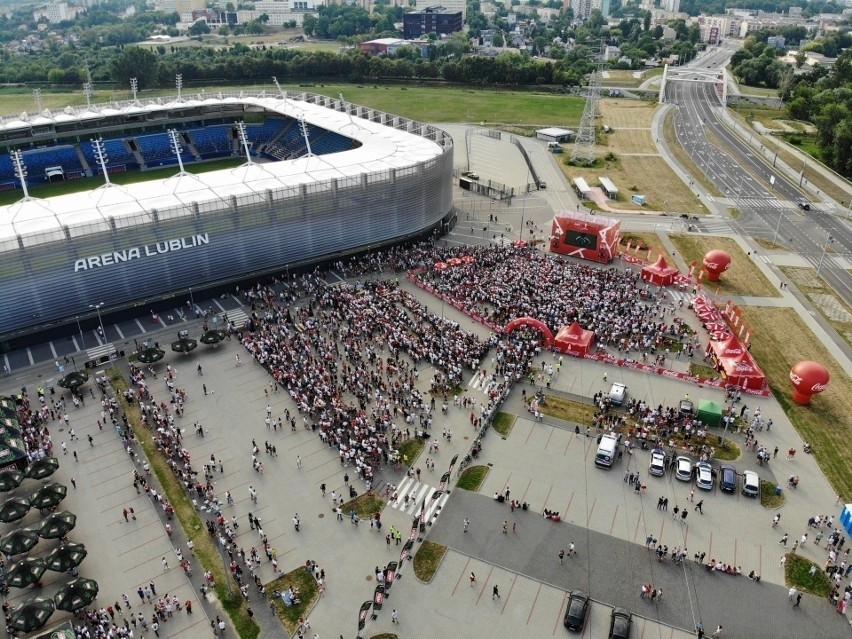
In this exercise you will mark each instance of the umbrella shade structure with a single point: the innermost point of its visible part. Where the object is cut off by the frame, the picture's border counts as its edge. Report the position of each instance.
(214, 336)
(18, 541)
(8, 408)
(48, 496)
(73, 381)
(41, 468)
(65, 557)
(10, 480)
(151, 355)
(76, 594)
(184, 345)
(12, 451)
(56, 525)
(26, 571)
(32, 614)
(14, 509)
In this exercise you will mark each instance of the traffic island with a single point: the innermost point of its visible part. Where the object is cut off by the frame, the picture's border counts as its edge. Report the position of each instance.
(770, 495)
(806, 576)
(302, 582)
(503, 423)
(427, 559)
(366, 506)
(410, 450)
(471, 479)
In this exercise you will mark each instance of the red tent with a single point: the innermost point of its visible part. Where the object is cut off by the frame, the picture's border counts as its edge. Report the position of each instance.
(730, 348)
(659, 273)
(574, 340)
(741, 371)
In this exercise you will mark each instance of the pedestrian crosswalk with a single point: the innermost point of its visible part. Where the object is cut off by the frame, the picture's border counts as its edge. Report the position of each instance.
(411, 495)
(238, 317)
(761, 203)
(681, 296)
(713, 226)
(479, 382)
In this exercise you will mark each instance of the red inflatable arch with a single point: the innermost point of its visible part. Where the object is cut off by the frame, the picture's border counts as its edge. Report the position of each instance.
(529, 321)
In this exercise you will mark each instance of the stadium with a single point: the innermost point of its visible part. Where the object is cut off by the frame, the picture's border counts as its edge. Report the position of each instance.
(321, 178)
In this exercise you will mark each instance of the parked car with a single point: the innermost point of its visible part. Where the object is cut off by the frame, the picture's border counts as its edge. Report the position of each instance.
(704, 476)
(619, 624)
(727, 478)
(577, 611)
(657, 467)
(683, 468)
(751, 484)
(804, 205)
(686, 407)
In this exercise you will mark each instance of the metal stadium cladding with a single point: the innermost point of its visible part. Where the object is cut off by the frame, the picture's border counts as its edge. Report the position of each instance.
(372, 178)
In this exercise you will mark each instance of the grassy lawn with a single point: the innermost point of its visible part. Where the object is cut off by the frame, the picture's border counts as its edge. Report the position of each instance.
(365, 505)
(758, 91)
(742, 278)
(385, 635)
(684, 158)
(780, 339)
(835, 311)
(503, 423)
(569, 410)
(306, 584)
(758, 113)
(188, 518)
(130, 177)
(427, 559)
(471, 479)
(797, 572)
(768, 498)
(701, 370)
(729, 452)
(410, 450)
(769, 245)
(444, 104)
(646, 241)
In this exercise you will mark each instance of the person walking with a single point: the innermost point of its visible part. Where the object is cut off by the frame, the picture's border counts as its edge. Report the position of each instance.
(561, 554)
(472, 579)
(466, 524)
(395, 616)
(683, 514)
(699, 506)
(717, 633)
(505, 527)
(798, 600)
(571, 550)
(495, 592)
(784, 539)
(692, 494)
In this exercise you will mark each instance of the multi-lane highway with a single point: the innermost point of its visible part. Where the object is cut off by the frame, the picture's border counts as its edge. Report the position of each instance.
(767, 198)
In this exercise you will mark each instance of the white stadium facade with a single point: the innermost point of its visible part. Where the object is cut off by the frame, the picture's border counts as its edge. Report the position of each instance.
(359, 179)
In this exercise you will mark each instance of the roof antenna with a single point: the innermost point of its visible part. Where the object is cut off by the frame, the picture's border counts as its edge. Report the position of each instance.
(134, 87)
(281, 91)
(176, 148)
(303, 127)
(348, 112)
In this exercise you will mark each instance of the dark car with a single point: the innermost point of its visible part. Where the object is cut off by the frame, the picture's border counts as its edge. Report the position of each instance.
(727, 478)
(619, 624)
(577, 611)
(805, 206)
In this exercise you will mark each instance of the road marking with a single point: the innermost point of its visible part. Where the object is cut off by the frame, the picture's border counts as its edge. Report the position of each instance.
(462, 574)
(484, 584)
(509, 594)
(591, 510)
(534, 602)
(614, 515)
(139, 324)
(30, 356)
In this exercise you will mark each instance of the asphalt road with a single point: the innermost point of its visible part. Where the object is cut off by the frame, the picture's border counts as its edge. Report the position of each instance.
(744, 177)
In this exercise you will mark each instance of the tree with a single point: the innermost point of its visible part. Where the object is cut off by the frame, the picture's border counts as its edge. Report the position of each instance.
(497, 40)
(199, 27)
(224, 30)
(134, 62)
(646, 21)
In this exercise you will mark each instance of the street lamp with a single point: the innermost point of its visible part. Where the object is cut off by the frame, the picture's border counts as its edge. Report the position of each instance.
(82, 339)
(828, 241)
(97, 308)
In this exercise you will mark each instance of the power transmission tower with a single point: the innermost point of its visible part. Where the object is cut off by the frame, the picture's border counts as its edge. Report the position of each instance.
(584, 144)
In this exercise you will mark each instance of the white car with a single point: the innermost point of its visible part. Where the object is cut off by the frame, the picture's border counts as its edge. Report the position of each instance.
(683, 468)
(751, 484)
(657, 466)
(704, 476)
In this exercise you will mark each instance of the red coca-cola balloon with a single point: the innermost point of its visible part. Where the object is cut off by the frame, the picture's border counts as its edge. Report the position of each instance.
(808, 378)
(715, 263)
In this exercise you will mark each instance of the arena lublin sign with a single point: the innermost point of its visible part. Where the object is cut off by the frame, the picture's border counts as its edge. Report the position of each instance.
(138, 252)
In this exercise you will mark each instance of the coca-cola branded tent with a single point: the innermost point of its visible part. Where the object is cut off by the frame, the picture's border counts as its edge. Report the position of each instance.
(574, 340)
(659, 273)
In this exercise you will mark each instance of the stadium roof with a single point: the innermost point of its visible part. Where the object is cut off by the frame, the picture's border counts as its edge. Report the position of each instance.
(383, 148)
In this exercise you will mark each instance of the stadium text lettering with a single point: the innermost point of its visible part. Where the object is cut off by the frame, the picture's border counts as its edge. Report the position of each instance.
(136, 252)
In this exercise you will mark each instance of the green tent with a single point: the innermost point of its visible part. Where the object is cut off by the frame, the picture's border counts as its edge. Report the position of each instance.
(710, 412)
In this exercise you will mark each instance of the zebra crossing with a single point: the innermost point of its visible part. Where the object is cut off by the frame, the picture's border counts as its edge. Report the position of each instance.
(761, 203)
(417, 492)
(681, 296)
(238, 316)
(480, 382)
(713, 226)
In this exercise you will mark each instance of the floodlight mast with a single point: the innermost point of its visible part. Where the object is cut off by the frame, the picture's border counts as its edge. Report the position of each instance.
(101, 157)
(241, 132)
(176, 147)
(21, 171)
(303, 127)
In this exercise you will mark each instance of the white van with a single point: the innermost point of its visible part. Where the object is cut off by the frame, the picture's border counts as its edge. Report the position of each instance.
(617, 394)
(751, 484)
(607, 451)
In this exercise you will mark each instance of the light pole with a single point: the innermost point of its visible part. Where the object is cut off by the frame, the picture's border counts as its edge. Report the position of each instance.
(97, 308)
(82, 340)
(777, 227)
(828, 241)
(191, 301)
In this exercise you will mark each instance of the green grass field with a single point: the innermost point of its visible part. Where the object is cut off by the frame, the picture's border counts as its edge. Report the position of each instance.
(428, 104)
(131, 177)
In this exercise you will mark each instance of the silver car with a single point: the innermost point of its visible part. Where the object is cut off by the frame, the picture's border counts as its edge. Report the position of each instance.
(683, 468)
(704, 476)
